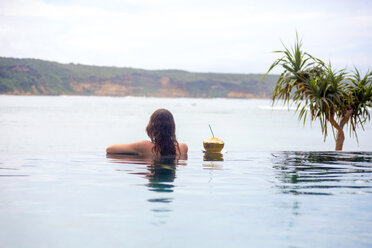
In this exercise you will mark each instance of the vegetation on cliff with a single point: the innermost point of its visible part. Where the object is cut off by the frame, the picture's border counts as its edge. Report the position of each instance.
(38, 77)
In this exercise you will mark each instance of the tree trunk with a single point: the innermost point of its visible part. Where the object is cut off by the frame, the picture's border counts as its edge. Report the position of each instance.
(340, 137)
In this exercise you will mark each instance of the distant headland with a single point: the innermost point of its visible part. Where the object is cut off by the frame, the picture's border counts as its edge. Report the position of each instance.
(39, 77)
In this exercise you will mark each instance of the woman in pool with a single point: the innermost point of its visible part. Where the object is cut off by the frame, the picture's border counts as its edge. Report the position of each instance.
(162, 132)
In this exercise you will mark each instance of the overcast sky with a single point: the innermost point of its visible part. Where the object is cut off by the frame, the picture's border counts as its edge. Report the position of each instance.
(202, 36)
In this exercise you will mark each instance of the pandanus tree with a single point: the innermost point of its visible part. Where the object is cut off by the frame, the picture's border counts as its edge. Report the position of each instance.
(334, 97)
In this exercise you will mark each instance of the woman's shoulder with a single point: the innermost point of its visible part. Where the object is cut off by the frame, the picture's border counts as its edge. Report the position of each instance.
(183, 148)
(142, 144)
(146, 142)
(146, 145)
(139, 147)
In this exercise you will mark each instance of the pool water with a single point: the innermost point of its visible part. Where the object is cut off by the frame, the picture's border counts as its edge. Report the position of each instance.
(239, 199)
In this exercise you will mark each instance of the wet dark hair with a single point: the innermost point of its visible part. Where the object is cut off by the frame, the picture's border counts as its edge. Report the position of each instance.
(162, 132)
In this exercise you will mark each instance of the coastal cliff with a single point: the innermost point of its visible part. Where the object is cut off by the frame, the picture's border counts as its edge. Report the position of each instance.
(39, 77)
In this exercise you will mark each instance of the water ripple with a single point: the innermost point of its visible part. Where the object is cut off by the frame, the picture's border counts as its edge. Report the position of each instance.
(323, 173)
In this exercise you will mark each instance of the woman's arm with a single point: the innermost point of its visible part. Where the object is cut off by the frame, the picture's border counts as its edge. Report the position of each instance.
(139, 147)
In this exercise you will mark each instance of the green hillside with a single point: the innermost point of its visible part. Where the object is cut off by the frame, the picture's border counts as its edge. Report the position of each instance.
(39, 77)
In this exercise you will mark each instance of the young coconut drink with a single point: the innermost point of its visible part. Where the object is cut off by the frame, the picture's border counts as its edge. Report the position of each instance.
(213, 144)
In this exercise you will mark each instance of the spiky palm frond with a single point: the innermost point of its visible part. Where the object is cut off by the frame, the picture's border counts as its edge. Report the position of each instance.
(360, 98)
(297, 65)
(322, 96)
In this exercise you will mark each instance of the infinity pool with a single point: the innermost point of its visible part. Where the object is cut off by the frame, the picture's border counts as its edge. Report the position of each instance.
(240, 199)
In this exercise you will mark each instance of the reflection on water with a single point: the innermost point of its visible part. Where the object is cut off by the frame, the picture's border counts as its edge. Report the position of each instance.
(160, 173)
(212, 158)
(323, 173)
